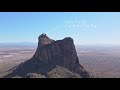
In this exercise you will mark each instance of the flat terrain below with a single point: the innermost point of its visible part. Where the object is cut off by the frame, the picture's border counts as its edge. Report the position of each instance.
(103, 62)
(13, 56)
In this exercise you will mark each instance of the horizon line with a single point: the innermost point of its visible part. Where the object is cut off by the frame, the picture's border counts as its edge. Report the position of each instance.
(74, 43)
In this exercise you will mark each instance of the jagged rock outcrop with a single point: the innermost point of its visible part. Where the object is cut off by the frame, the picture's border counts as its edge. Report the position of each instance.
(16, 77)
(43, 40)
(60, 72)
(49, 54)
(57, 72)
(34, 75)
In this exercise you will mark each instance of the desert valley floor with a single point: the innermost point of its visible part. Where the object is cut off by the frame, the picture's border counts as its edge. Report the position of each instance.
(13, 56)
(103, 62)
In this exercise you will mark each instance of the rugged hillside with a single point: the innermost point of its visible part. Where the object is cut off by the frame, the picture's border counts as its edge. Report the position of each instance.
(60, 72)
(49, 54)
(57, 72)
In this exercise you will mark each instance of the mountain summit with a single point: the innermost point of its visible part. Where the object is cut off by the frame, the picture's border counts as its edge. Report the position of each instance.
(50, 55)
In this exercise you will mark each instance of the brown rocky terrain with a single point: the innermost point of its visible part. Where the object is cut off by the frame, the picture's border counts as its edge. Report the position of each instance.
(57, 72)
(35, 75)
(60, 72)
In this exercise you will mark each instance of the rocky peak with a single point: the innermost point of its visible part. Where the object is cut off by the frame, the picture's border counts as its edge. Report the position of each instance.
(44, 39)
(50, 54)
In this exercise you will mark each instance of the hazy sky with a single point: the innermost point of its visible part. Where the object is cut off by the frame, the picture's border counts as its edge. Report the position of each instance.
(83, 27)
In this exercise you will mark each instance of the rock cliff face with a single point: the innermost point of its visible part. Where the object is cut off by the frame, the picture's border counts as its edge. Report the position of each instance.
(49, 54)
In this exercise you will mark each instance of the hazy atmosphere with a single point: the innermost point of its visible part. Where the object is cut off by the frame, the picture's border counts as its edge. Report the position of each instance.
(59, 44)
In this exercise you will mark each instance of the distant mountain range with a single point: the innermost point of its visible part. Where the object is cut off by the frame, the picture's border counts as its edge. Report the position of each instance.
(18, 44)
(26, 43)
